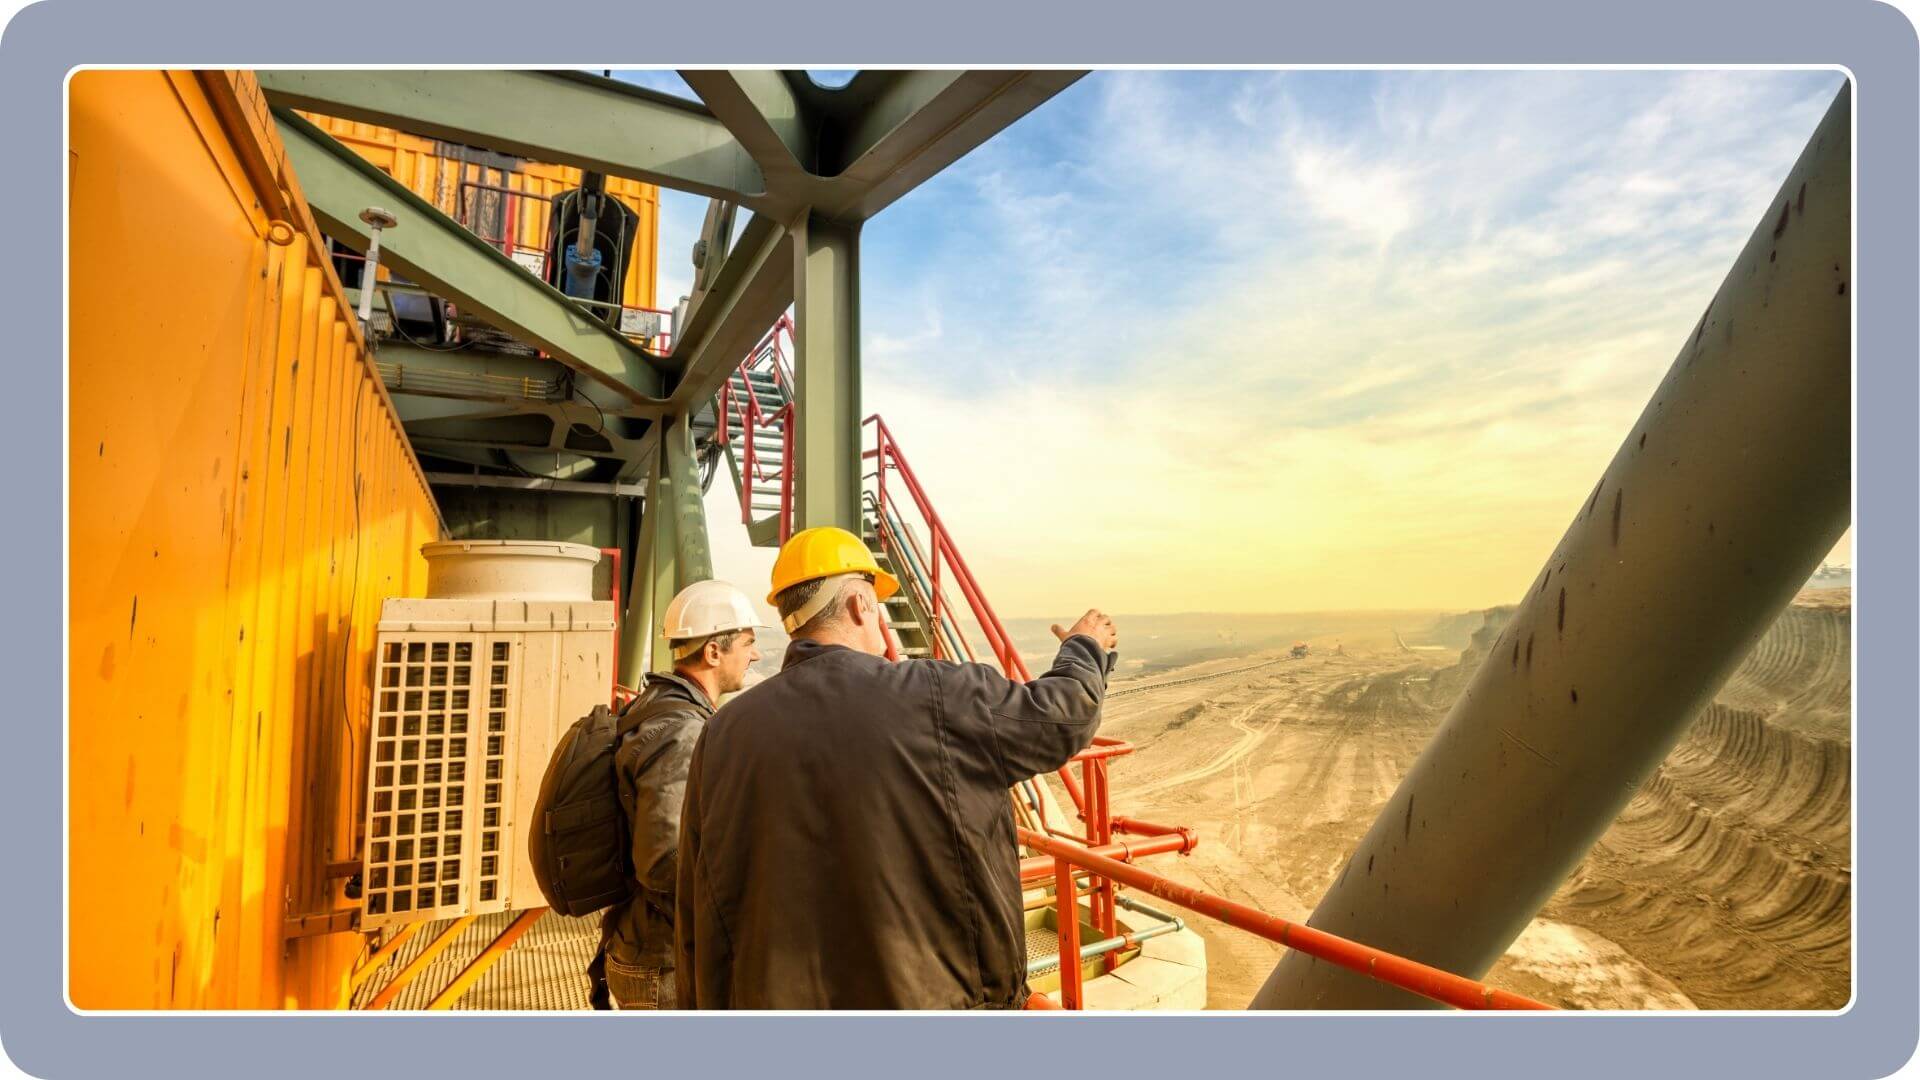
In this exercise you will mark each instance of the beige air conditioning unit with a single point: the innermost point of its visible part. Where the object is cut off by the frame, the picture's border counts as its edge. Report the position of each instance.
(473, 686)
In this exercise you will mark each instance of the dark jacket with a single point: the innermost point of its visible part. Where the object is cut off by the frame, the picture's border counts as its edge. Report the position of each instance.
(652, 767)
(847, 840)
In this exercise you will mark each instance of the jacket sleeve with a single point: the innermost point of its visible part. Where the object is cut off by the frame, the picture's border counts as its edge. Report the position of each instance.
(1038, 726)
(686, 969)
(660, 785)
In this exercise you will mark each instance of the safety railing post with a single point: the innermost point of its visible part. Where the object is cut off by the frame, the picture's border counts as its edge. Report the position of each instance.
(883, 461)
(619, 616)
(1066, 920)
(1103, 815)
(747, 440)
(510, 234)
(786, 471)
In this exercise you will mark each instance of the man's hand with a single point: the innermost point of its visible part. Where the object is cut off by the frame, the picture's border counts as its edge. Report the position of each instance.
(1095, 625)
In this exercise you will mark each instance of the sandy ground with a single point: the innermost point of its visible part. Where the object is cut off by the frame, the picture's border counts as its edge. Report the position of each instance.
(1725, 884)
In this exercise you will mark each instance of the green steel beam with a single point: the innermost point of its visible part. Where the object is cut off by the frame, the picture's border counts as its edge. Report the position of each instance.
(461, 449)
(510, 432)
(433, 249)
(761, 110)
(754, 142)
(417, 408)
(753, 287)
(506, 429)
(469, 374)
(636, 631)
(918, 123)
(532, 483)
(485, 513)
(482, 375)
(672, 551)
(569, 118)
(694, 561)
(846, 155)
(716, 239)
(665, 547)
(827, 373)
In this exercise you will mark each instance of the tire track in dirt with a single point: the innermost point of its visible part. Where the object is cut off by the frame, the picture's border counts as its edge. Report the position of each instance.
(1728, 875)
(1273, 780)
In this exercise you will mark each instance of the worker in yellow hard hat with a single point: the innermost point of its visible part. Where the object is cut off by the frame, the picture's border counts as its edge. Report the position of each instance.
(812, 567)
(847, 839)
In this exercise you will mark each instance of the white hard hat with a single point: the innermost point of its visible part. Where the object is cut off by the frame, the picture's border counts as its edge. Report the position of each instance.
(706, 608)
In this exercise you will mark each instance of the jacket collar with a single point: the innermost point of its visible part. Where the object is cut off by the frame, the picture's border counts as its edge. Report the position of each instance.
(801, 650)
(677, 685)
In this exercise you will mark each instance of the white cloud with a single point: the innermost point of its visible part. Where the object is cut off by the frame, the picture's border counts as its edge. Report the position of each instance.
(1373, 200)
(1251, 343)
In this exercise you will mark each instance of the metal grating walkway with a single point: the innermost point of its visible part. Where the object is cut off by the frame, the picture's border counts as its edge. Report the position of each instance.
(1043, 944)
(544, 970)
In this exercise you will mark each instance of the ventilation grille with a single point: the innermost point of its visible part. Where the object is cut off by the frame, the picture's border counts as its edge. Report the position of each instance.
(436, 799)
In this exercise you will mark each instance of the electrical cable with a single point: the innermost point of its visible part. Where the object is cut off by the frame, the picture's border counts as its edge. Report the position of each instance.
(601, 431)
(353, 601)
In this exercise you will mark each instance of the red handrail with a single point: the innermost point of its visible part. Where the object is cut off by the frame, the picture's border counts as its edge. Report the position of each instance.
(931, 598)
(613, 594)
(887, 455)
(753, 418)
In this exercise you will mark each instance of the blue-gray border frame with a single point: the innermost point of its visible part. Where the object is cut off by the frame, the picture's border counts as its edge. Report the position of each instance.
(1876, 42)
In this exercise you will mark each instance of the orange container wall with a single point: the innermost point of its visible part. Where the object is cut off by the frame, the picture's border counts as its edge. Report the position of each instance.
(437, 178)
(241, 500)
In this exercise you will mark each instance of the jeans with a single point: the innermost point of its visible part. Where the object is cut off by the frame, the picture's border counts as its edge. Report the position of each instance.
(640, 987)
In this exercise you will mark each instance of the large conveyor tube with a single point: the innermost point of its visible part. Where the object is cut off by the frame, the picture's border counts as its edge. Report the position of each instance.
(1724, 497)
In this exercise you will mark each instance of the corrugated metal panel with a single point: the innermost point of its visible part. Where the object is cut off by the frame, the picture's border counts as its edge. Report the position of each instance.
(519, 223)
(242, 498)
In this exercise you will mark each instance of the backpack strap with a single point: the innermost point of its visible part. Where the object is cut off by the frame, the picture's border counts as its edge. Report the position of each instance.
(629, 722)
(639, 711)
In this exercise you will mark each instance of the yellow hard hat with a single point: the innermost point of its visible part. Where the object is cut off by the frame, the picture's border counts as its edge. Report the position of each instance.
(823, 552)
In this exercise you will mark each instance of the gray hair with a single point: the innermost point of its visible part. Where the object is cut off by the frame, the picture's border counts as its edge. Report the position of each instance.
(799, 596)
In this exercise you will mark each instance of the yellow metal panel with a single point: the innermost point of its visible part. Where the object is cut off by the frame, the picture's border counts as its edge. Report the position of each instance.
(242, 497)
(418, 163)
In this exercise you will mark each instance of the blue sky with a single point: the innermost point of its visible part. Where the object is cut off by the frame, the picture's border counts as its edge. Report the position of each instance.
(1347, 339)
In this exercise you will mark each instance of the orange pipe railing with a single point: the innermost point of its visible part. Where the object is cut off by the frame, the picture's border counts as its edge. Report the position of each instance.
(1411, 975)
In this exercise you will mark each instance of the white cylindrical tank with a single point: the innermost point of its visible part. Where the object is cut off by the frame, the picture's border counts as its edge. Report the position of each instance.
(509, 570)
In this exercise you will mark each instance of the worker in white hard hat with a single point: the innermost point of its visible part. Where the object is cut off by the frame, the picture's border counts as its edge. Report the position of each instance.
(710, 628)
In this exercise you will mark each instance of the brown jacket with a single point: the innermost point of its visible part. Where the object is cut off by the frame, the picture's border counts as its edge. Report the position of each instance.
(652, 769)
(847, 839)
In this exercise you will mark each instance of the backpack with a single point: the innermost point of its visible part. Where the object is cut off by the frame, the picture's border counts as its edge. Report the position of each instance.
(579, 844)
